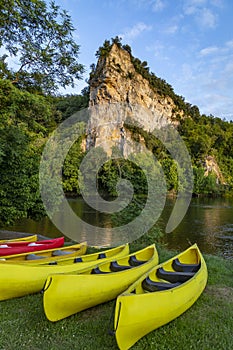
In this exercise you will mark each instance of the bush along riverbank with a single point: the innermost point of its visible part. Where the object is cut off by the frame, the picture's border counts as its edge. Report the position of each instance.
(206, 325)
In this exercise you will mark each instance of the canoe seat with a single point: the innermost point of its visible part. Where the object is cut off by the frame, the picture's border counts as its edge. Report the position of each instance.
(115, 267)
(174, 277)
(97, 271)
(180, 267)
(61, 252)
(133, 261)
(78, 259)
(101, 256)
(152, 286)
(34, 257)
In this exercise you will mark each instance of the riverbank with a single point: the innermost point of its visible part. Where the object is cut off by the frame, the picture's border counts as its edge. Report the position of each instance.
(206, 325)
(207, 222)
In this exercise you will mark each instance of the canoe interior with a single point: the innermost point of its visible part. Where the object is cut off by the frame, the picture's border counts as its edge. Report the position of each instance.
(133, 260)
(170, 274)
(89, 258)
(44, 256)
(159, 296)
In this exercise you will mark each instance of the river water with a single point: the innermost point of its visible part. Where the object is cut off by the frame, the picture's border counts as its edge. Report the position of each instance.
(208, 222)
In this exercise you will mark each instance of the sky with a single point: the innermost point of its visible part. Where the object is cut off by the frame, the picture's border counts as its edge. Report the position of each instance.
(189, 43)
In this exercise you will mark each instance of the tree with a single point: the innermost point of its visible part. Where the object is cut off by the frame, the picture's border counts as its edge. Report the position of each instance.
(41, 38)
(70, 104)
(25, 122)
(104, 50)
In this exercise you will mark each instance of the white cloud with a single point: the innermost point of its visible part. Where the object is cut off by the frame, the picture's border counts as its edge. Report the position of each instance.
(207, 18)
(229, 44)
(197, 2)
(218, 53)
(209, 50)
(12, 61)
(135, 31)
(153, 5)
(217, 3)
(192, 6)
(202, 12)
(158, 5)
(172, 29)
(159, 50)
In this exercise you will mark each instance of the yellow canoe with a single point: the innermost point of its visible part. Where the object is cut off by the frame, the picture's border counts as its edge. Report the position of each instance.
(21, 279)
(49, 255)
(31, 238)
(67, 294)
(159, 296)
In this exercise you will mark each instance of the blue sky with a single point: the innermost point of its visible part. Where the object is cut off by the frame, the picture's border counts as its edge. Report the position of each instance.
(189, 43)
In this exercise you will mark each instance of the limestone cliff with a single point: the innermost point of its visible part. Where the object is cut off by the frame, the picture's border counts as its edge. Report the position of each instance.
(123, 90)
(211, 166)
(115, 81)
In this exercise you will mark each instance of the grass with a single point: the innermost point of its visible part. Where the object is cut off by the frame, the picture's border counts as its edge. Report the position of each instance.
(206, 325)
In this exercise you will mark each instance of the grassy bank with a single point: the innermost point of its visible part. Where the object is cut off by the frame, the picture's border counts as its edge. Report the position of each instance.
(206, 325)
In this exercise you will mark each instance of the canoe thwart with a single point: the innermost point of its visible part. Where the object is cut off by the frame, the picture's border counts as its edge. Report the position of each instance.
(34, 257)
(97, 271)
(102, 256)
(152, 286)
(174, 276)
(115, 267)
(180, 267)
(133, 261)
(59, 252)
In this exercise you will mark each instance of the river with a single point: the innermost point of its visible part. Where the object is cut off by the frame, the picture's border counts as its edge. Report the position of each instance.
(208, 222)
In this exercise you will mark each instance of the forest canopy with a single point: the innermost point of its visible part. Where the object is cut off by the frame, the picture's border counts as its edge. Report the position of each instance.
(40, 38)
(30, 110)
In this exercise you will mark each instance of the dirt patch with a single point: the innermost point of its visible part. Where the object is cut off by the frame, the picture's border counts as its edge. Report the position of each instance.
(225, 293)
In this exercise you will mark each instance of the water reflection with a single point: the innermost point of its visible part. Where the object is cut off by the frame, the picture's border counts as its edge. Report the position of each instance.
(208, 222)
(205, 223)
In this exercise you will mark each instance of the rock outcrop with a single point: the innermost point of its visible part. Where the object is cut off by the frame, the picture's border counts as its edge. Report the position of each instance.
(211, 167)
(116, 82)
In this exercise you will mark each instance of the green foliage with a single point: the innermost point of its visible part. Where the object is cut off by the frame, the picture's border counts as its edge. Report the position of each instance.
(27, 119)
(26, 122)
(207, 135)
(205, 184)
(203, 135)
(24, 125)
(70, 104)
(41, 38)
(71, 170)
(158, 149)
(89, 170)
(150, 237)
(33, 112)
(19, 194)
(116, 169)
(104, 50)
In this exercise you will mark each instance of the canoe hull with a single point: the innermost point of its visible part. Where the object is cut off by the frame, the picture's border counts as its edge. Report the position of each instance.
(17, 280)
(138, 314)
(25, 247)
(66, 295)
(31, 238)
(48, 255)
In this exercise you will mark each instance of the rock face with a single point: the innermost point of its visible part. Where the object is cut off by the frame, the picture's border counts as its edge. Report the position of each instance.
(211, 166)
(116, 82)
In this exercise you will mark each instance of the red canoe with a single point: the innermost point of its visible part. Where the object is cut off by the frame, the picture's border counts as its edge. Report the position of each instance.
(24, 247)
